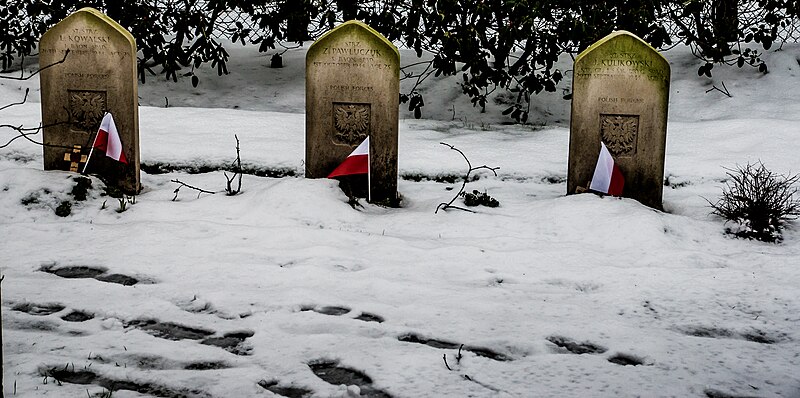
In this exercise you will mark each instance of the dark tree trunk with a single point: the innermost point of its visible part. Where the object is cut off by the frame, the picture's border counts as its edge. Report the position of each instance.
(726, 21)
(349, 8)
(297, 20)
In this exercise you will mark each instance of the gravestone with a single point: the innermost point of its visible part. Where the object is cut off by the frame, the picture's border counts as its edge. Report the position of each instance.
(620, 94)
(352, 91)
(97, 76)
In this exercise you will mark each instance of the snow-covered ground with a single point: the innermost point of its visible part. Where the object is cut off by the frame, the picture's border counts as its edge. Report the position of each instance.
(550, 295)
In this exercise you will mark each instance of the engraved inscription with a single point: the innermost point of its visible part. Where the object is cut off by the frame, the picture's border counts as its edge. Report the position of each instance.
(621, 64)
(352, 54)
(350, 122)
(619, 133)
(86, 109)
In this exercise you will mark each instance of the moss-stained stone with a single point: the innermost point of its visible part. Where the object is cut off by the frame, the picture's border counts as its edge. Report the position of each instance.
(620, 97)
(98, 75)
(352, 91)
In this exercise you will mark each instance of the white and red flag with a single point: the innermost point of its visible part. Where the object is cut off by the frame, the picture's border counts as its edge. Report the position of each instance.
(607, 177)
(356, 163)
(108, 141)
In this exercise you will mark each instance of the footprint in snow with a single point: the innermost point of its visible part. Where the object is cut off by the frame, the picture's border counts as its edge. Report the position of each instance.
(443, 344)
(572, 346)
(753, 335)
(332, 373)
(38, 309)
(335, 310)
(233, 342)
(84, 272)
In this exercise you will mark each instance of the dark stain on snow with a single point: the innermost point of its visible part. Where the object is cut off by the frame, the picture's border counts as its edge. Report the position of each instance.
(77, 272)
(761, 337)
(711, 393)
(38, 309)
(707, 332)
(413, 338)
(332, 310)
(554, 179)
(232, 342)
(77, 316)
(169, 330)
(119, 279)
(576, 347)
(251, 169)
(754, 335)
(206, 366)
(367, 317)
(443, 344)
(288, 392)
(626, 360)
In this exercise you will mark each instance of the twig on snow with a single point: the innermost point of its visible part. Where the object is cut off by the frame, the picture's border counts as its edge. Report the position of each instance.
(449, 205)
(183, 184)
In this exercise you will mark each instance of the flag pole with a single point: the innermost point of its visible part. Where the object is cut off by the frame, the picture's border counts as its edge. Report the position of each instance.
(369, 174)
(91, 151)
(88, 158)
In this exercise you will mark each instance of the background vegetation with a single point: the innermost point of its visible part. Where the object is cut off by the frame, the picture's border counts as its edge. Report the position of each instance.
(493, 44)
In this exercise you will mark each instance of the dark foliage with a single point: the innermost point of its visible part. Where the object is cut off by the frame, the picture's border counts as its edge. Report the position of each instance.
(491, 44)
(478, 198)
(758, 202)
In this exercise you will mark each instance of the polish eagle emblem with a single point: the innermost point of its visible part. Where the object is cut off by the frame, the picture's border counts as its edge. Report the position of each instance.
(86, 109)
(351, 122)
(619, 133)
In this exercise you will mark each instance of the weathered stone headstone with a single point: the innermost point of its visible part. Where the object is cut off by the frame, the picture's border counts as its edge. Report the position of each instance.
(99, 75)
(352, 91)
(620, 93)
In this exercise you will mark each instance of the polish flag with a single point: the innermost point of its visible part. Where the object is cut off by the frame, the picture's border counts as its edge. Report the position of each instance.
(356, 163)
(607, 176)
(107, 140)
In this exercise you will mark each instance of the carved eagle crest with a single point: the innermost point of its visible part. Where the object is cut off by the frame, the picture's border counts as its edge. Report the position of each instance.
(351, 122)
(87, 109)
(619, 133)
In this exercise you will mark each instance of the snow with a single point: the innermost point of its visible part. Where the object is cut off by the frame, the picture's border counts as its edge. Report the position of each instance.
(703, 313)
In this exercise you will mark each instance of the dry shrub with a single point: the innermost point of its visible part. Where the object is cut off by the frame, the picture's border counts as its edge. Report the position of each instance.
(758, 202)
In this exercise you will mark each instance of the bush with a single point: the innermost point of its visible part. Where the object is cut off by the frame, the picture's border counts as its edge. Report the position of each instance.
(492, 44)
(478, 198)
(758, 202)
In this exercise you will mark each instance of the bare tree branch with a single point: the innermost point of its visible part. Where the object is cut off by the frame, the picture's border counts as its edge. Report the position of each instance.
(66, 53)
(449, 205)
(24, 99)
(237, 164)
(183, 184)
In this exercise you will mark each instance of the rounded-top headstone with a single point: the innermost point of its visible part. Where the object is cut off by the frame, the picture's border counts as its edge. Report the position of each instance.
(620, 96)
(352, 92)
(97, 76)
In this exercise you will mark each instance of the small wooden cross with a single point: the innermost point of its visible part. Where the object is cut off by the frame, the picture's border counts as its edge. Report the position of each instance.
(75, 158)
